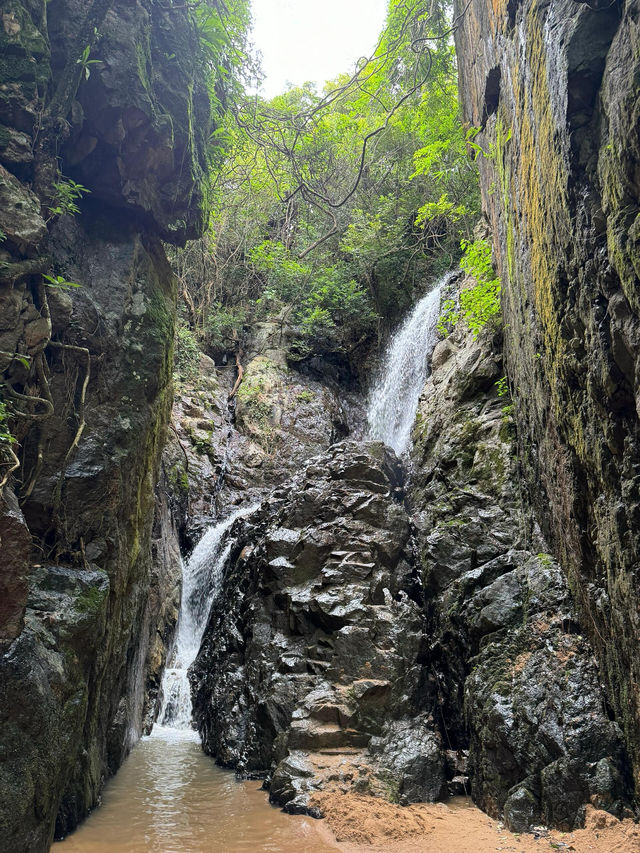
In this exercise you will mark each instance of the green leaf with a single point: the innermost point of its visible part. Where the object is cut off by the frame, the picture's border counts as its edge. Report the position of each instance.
(58, 281)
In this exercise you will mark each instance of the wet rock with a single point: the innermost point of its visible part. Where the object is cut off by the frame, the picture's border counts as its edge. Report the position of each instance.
(138, 136)
(306, 653)
(44, 687)
(413, 754)
(37, 334)
(10, 308)
(521, 809)
(76, 645)
(292, 783)
(15, 147)
(20, 219)
(15, 542)
(164, 595)
(515, 681)
(61, 308)
(563, 123)
(223, 453)
(354, 650)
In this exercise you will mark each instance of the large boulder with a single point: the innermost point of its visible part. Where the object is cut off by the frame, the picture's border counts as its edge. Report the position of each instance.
(303, 661)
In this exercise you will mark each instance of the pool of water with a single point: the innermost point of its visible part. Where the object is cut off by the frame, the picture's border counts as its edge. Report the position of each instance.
(168, 797)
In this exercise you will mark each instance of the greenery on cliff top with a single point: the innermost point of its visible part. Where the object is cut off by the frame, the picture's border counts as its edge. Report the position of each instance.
(333, 209)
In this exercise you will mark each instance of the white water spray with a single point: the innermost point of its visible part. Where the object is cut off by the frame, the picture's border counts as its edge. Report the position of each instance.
(393, 399)
(201, 585)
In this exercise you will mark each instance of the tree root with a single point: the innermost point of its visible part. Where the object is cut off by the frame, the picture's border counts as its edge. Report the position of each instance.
(14, 467)
(34, 416)
(44, 384)
(84, 351)
(14, 356)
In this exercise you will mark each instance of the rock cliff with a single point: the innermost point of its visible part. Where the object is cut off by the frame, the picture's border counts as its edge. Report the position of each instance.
(514, 678)
(554, 89)
(107, 96)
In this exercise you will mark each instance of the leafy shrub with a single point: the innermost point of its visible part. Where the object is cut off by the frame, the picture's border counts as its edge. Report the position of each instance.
(186, 359)
(58, 282)
(224, 324)
(67, 193)
(480, 303)
(323, 297)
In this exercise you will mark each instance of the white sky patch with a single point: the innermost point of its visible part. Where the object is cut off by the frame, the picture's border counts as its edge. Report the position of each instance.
(313, 40)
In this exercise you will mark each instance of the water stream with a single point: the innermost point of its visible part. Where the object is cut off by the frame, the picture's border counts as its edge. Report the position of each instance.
(201, 584)
(169, 797)
(393, 399)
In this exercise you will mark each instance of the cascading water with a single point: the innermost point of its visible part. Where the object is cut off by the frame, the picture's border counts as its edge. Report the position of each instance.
(393, 399)
(169, 796)
(201, 584)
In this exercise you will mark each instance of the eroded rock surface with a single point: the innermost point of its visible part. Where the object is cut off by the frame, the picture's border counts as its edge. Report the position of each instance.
(225, 452)
(555, 88)
(515, 678)
(304, 658)
(89, 369)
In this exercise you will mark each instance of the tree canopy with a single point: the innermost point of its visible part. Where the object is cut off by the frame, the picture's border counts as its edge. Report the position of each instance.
(332, 209)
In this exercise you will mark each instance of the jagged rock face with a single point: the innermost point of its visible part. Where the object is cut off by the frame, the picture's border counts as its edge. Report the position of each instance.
(305, 656)
(76, 643)
(15, 541)
(515, 680)
(555, 88)
(92, 512)
(140, 122)
(164, 593)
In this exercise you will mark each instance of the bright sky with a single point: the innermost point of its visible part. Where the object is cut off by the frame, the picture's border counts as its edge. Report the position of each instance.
(303, 40)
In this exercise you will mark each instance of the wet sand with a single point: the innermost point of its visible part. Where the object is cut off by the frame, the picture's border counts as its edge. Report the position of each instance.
(360, 824)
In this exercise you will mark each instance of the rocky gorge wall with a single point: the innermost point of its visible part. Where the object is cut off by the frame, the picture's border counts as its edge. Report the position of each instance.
(553, 86)
(86, 374)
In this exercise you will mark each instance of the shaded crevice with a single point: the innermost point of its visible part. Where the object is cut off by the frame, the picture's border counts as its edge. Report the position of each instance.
(491, 94)
(586, 59)
(512, 11)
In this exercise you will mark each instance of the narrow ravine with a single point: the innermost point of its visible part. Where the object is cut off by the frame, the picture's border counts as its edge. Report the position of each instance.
(169, 796)
(280, 608)
(282, 501)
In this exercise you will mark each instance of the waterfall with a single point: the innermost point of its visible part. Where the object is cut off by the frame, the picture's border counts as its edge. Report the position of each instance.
(201, 585)
(393, 399)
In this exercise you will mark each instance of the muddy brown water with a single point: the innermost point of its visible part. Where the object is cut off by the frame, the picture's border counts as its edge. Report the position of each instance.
(168, 797)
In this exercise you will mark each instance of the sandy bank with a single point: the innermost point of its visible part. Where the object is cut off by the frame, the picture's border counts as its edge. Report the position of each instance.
(356, 824)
